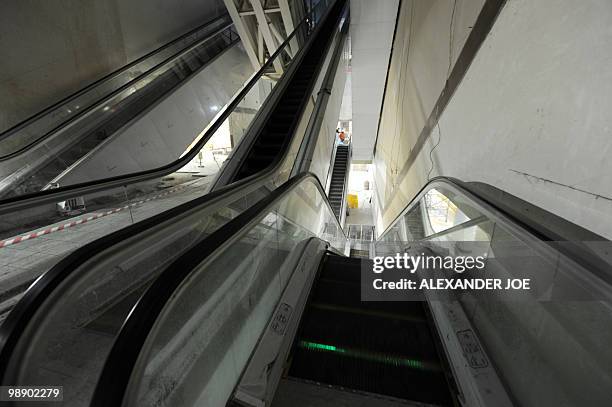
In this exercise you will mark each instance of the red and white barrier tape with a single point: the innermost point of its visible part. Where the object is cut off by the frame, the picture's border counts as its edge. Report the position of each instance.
(33, 235)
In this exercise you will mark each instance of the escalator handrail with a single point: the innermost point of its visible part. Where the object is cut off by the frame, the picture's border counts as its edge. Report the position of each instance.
(63, 193)
(17, 320)
(119, 365)
(55, 106)
(568, 247)
(37, 293)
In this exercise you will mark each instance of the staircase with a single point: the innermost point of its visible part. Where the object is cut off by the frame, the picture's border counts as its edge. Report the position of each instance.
(385, 348)
(336, 187)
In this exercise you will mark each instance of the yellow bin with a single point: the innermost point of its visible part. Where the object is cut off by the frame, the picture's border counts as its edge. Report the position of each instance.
(353, 201)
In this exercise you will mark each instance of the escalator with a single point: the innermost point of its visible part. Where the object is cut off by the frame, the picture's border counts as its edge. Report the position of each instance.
(244, 296)
(337, 185)
(217, 329)
(82, 300)
(284, 119)
(126, 200)
(266, 305)
(95, 116)
(383, 348)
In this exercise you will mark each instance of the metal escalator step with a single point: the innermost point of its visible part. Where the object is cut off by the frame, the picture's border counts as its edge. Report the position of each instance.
(375, 313)
(293, 100)
(266, 149)
(367, 350)
(274, 137)
(282, 117)
(278, 127)
(262, 159)
(378, 347)
(359, 370)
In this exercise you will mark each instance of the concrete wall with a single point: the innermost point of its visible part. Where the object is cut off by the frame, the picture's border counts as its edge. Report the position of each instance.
(372, 25)
(532, 115)
(162, 134)
(53, 48)
(429, 37)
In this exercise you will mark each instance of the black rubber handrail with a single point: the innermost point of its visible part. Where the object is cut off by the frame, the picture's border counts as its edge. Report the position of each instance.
(115, 376)
(26, 122)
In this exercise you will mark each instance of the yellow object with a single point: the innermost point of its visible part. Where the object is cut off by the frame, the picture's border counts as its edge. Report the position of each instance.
(353, 201)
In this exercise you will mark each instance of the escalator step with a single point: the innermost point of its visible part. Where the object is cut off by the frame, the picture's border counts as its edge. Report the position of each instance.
(401, 334)
(285, 116)
(378, 347)
(361, 370)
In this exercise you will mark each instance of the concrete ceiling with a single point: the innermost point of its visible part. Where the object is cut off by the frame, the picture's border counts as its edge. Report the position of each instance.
(371, 30)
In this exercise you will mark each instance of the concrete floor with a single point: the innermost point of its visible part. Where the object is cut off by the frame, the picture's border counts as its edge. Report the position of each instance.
(360, 216)
(23, 262)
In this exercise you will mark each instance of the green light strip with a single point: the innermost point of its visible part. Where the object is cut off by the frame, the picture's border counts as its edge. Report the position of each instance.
(320, 346)
(365, 355)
